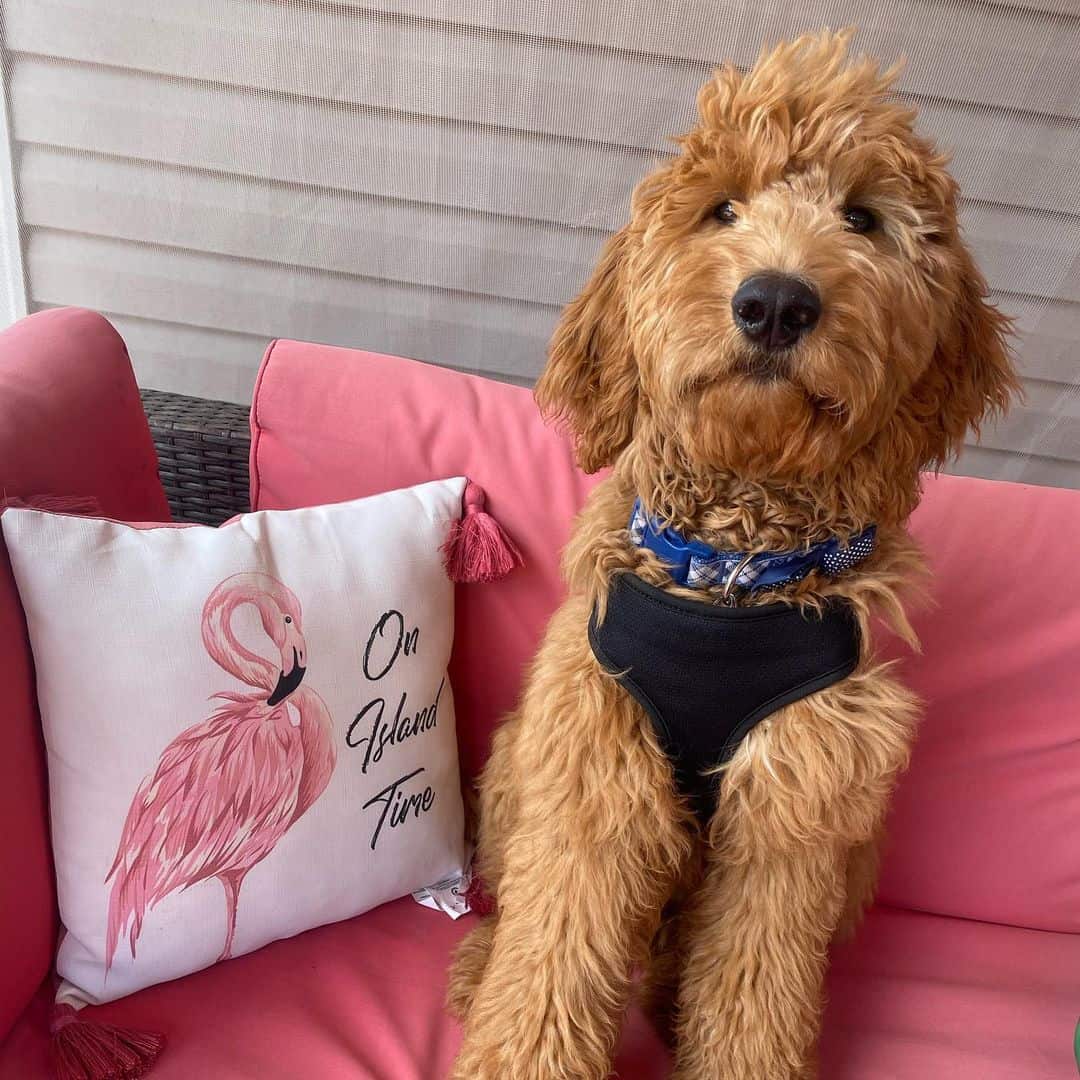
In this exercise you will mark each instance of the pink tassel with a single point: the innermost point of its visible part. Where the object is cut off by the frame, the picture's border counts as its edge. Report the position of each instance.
(478, 898)
(477, 548)
(86, 1050)
(81, 505)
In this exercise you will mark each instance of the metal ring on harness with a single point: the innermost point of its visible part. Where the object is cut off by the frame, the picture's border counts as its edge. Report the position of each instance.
(725, 594)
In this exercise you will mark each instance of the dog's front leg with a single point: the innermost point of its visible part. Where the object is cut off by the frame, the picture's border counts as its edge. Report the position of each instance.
(862, 873)
(575, 914)
(585, 868)
(750, 995)
(806, 788)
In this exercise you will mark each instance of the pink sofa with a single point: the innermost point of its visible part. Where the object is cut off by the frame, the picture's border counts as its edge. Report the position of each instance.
(969, 967)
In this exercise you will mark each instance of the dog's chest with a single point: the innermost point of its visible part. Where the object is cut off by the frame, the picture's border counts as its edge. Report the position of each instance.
(706, 675)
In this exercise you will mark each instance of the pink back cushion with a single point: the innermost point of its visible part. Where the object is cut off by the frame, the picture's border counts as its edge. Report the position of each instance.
(331, 424)
(984, 822)
(71, 423)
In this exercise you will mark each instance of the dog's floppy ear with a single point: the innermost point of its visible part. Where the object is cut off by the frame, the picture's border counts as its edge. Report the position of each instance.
(591, 378)
(972, 375)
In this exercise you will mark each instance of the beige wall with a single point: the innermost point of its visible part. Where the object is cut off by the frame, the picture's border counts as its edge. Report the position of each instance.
(435, 180)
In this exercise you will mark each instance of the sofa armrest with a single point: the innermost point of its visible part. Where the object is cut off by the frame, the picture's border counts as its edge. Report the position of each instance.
(71, 423)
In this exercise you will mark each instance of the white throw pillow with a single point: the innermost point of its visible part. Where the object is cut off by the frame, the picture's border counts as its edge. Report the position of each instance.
(249, 729)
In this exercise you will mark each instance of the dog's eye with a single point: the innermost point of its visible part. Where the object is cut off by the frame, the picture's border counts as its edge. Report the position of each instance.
(859, 220)
(725, 213)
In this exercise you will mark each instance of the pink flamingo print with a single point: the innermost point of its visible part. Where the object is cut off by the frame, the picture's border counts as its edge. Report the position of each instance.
(226, 790)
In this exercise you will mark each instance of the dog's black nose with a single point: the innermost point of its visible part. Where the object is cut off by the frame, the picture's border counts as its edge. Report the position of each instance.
(773, 310)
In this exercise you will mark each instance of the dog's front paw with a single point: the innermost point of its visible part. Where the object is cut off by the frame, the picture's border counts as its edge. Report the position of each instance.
(808, 1071)
(468, 967)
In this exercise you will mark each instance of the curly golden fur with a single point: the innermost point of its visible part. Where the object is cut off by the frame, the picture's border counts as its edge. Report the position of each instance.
(598, 867)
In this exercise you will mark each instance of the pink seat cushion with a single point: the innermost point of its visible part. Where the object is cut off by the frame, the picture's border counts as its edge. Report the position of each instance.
(71, 423)
(981, 827)
(922, 996)
(916, 997)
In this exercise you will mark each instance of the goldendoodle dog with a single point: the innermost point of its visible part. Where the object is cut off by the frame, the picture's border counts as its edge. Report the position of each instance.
(690, 795)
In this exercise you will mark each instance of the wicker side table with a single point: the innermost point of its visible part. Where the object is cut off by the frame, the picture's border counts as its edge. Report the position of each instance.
(202, 449)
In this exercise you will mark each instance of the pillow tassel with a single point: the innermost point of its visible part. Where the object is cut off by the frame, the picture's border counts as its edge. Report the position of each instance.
(89, 1050)
(477, 548)
(478, 898)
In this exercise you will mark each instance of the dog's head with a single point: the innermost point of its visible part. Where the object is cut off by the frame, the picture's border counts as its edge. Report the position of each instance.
(792, 290)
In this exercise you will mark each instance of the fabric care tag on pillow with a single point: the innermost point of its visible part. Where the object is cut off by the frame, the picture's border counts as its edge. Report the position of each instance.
(250, 731)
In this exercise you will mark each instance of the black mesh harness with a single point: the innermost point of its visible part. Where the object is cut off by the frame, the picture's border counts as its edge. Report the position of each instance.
(707, 674)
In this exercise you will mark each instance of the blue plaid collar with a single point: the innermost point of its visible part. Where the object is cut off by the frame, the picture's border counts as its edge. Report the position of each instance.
(695, 564)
